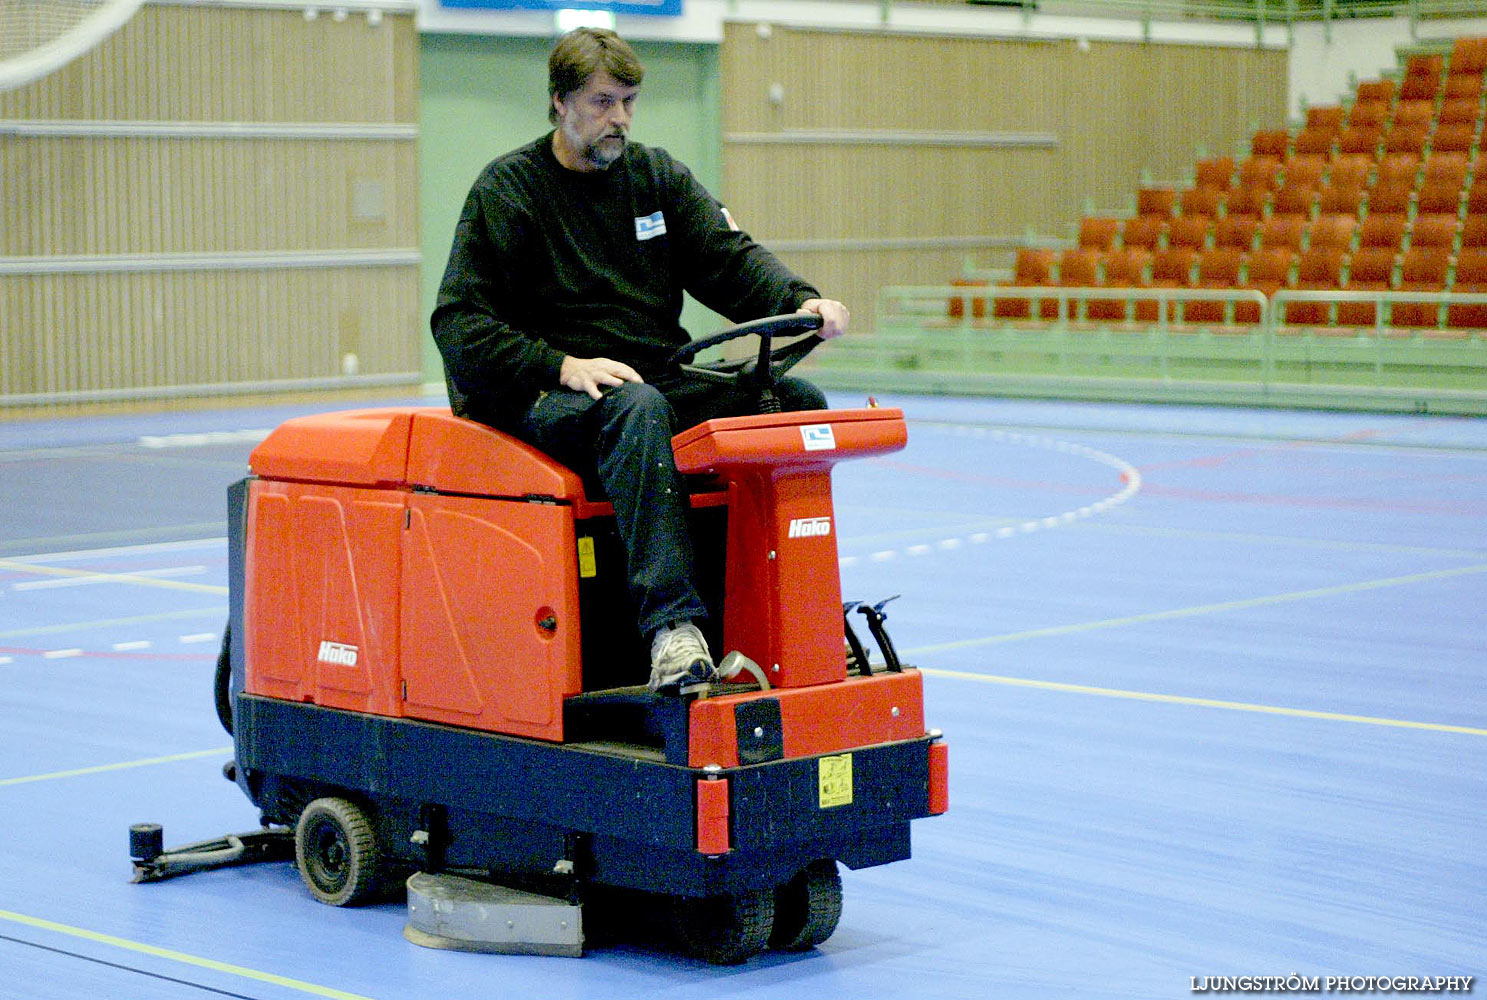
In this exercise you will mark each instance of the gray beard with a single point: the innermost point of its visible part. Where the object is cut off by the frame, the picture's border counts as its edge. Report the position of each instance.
(593, 153)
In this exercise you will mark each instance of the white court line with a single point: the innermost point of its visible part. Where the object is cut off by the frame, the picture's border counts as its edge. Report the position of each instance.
(200, 439)
(1130, 475)
(149, 548)
(96, 578)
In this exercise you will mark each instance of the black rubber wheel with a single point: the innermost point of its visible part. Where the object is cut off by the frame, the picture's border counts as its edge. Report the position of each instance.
(222, 687)
(726, 930)
(335, 847)
(807, 908)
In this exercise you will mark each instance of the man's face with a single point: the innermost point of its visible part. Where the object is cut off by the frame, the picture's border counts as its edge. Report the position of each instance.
(595, 119)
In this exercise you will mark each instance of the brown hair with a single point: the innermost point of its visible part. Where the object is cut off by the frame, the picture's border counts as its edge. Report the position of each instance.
(581, 53)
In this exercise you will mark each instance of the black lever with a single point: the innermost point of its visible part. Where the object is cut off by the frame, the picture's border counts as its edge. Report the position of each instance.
(859, 655)
(875, 618)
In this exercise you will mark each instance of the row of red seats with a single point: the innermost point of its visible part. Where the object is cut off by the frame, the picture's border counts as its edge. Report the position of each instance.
(1267, 269)
(1344, 230)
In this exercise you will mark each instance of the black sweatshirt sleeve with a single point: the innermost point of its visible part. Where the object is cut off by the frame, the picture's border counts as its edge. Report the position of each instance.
(722, 266)
(494, 370)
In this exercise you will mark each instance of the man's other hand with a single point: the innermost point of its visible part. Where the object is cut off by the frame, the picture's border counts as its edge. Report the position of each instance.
(834, 316)
(591, 374)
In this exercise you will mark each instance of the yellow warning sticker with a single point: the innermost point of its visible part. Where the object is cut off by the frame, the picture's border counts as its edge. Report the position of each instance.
(586, 565)
(835, 780)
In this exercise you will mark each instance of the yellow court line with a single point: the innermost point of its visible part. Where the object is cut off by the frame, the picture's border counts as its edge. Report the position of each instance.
(1202, 609)
(145, 581)
(178, 956)
(121, 766)
(1177, 699)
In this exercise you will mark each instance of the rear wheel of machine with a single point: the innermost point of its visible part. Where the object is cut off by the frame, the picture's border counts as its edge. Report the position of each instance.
(335, 846)
(726, 930)
(807, 908)
(222, 688)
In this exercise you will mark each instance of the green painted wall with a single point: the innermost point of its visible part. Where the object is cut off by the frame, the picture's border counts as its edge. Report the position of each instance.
(482, 96)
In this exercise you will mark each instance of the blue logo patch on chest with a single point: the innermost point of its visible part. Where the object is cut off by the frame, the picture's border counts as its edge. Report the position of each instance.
(650, 226)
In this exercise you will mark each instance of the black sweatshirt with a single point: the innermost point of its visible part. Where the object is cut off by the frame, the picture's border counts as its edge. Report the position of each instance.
(549, 262)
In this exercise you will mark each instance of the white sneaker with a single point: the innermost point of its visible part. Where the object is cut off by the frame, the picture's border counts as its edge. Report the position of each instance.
(679, 658)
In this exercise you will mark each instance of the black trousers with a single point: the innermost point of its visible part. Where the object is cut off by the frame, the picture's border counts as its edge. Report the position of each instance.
(621, 443)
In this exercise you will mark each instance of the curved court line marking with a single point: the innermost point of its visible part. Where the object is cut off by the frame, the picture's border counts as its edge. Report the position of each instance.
(1129, 475)
(171, 955)
(120, 766)
(1177, 699)
(1202, 609)
(95, 577)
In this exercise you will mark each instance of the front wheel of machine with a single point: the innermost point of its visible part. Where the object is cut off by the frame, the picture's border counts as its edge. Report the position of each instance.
(726, 930)
(807, 908)
(335, 847)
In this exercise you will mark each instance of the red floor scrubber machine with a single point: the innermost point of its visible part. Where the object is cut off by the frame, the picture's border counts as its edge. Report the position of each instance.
(433, 678)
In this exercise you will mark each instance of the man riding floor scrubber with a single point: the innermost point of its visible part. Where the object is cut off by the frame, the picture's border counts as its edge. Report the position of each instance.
(432, 667)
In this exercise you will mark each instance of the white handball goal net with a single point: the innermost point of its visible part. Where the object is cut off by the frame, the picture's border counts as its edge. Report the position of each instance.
(40, 36)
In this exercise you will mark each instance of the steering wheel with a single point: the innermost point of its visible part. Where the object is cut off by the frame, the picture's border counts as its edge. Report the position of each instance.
(763, 370)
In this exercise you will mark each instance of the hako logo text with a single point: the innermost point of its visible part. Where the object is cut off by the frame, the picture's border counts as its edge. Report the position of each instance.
(337, 652)
(810, 527)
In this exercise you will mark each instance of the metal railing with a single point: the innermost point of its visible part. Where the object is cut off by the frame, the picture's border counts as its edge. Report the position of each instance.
(957, 329)
(1263, 11)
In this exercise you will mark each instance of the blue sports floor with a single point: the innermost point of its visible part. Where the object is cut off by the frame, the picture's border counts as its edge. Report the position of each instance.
(1214, 684)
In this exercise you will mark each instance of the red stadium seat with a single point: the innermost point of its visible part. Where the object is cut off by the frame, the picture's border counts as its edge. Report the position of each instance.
(1156, 201)
(1248, 201)
(1215, 172)
(1469, 55)
(1369, 269)
(1318, 270)
(1333, 232)
(1124, 268)
(1328, 116)
(1143, 231)
(1170, 268)
(1217, 268)
(1269, 270)
(1236, 232)
(1034, 267)
(1189, 231)
(1098, 233)
(1383, 230)
(1338, 199)
(1422, 269)
(1200, 201)
(1437, 230)
(1282, 233)
(1471, 276)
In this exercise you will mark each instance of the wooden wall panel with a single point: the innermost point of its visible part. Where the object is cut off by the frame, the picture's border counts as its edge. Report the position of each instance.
(84, 195)
(213, 195)
(175, 62)
(85, 333)
(975, 137)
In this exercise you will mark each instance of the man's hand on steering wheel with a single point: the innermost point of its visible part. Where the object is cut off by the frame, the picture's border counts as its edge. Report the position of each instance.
(592, 375)
(834, 316)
